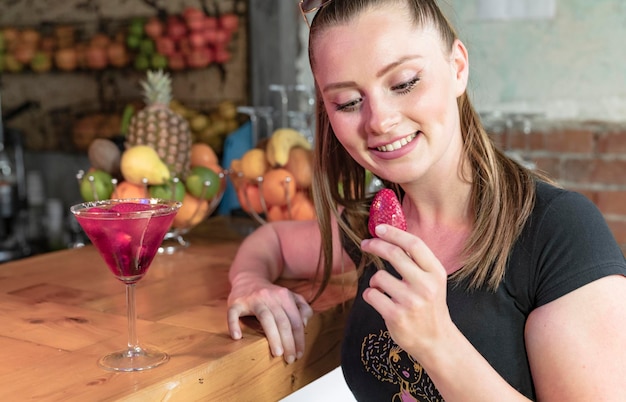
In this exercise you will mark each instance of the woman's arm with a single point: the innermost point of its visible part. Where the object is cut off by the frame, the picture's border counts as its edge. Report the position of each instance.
(287, 249)
(577, 344)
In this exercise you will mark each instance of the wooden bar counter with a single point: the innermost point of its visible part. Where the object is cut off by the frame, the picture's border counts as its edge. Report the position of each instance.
(60, 312)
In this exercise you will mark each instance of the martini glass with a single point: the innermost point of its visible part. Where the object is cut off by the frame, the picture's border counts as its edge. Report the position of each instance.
(127, 234)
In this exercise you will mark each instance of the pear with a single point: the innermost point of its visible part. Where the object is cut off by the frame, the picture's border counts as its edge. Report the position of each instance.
(142, 162)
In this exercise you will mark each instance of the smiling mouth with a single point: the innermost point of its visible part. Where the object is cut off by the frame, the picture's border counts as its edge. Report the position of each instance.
(397, 144)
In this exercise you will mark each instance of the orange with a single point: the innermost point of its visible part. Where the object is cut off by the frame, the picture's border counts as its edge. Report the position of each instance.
(302, 207)
(192, 212)
(277, 213)
(278, 184)
(216, 167)
(126, 189)
(203, 155)
(249, 193)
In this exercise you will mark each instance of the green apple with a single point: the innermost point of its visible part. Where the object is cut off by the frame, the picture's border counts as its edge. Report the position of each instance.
(96, 185)
(172, 190)
(146, 46)
(136, 27)
(133, 41)
(201, 177)
(142, 62)
(158, 61)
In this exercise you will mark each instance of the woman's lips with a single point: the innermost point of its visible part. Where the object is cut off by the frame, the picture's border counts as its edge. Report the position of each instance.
(394, 146)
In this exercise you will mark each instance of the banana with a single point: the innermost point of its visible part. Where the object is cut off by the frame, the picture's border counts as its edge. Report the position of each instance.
(280, 143)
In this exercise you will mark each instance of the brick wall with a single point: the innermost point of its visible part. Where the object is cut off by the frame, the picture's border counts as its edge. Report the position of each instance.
(588, 157)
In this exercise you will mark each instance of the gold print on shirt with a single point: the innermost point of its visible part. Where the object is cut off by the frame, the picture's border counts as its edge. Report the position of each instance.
(386, 361)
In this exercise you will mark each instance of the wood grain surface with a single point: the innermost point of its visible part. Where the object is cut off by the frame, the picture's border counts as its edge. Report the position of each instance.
(60, 312)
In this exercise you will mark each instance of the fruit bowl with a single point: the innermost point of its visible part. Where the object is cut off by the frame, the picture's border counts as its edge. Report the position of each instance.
(274, 196)
(198, 203)
(273, 180)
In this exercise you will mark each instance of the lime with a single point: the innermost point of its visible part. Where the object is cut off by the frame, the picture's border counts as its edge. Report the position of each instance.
(203, 182)
(172, 190)
(96, 185)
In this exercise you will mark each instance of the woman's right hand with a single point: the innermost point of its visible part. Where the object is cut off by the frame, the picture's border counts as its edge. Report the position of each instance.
(282, 313)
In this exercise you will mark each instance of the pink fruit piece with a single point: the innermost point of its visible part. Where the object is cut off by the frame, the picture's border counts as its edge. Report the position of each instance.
(97, 209)
(386, 208)
(130, 207)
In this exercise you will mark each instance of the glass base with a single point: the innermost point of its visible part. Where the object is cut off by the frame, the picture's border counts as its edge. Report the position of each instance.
(172, 242)
(133, 359)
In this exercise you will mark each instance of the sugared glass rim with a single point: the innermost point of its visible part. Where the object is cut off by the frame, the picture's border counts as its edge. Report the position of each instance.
(168, 206)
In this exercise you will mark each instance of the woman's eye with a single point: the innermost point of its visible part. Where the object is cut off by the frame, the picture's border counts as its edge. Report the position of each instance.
(348, 106)
(406, 86)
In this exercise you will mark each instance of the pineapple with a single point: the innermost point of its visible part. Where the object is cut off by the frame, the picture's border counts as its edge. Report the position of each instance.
(159, 127)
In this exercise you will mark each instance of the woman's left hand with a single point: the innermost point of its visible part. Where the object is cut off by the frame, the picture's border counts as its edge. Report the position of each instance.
(414, 308)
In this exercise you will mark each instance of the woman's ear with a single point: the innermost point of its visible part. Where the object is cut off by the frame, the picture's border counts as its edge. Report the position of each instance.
(460, 63)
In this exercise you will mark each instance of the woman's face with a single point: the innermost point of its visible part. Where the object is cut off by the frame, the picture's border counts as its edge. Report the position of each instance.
(390, 91)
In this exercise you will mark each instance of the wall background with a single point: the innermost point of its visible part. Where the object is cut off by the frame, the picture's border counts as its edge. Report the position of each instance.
(570, 67)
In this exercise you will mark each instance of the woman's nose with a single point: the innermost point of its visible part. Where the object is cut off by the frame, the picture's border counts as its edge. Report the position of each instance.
(382, 115)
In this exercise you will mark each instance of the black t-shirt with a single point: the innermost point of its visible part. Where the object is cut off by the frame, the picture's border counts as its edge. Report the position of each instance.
(564, 245)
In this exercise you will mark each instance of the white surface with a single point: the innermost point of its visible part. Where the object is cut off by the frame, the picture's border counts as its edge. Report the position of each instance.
(329, 388)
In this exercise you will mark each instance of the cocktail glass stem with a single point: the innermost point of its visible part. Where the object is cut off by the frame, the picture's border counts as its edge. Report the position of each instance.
(134, 357)
(131, 312)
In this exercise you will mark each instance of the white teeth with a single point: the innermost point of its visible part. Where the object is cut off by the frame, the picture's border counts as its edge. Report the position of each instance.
(397, 144)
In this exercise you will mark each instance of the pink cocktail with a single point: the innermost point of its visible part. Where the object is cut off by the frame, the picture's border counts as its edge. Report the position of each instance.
(127, 234)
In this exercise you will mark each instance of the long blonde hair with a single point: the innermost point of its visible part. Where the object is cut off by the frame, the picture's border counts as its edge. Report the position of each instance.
(502, 194)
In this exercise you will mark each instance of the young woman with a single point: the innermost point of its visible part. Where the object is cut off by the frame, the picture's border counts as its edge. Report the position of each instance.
(504, 287)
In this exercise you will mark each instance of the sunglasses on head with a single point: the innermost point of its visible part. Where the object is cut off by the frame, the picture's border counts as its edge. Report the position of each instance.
(310, 6)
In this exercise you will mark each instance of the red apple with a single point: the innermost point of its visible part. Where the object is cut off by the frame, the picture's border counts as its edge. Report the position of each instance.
(210, 35)
(222, 36)
(229, 21)
(176, 29)
(153, 27)
(176, 61)
(198, 58)
(197, 39)
(194, 18)
(184, 46)
(222, 55)
(96, 57)
(210, 22)
(165, 45)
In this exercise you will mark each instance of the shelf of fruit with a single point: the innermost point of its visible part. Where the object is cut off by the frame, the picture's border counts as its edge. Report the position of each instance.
(273, 180)
(159, 159)
(191, 40)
